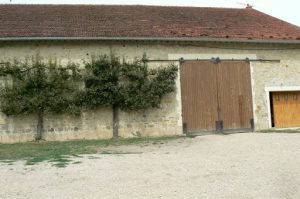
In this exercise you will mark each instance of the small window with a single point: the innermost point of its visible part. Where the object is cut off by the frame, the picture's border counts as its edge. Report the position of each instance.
(277, 97)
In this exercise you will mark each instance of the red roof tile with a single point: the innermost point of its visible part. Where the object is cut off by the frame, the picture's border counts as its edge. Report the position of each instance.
(141, 21)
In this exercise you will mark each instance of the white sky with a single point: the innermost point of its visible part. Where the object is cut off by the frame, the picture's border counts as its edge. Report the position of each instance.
(288, 10)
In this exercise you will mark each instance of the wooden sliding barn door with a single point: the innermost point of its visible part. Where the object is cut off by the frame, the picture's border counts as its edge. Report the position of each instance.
(235, 95)
(216, 96)
(199, 95)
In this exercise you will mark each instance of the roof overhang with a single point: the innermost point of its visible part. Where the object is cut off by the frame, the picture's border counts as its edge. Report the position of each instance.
(175, 39)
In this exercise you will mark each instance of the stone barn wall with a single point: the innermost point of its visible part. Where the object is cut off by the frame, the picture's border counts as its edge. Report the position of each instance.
(165, 120)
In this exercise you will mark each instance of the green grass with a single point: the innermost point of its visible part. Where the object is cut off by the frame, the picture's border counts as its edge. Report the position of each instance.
(60, 153)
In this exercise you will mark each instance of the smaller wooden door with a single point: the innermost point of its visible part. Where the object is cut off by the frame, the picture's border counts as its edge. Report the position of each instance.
(286, 109)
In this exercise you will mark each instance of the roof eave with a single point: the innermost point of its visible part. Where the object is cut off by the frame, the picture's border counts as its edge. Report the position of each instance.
(172, 39)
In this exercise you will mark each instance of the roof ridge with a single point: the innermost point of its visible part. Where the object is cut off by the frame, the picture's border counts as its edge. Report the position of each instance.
(126, 5)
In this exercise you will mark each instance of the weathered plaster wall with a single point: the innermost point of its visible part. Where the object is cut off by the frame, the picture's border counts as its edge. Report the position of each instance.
(163, 121)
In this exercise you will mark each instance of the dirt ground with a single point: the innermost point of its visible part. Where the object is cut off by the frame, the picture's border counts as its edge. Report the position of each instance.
(249, 165)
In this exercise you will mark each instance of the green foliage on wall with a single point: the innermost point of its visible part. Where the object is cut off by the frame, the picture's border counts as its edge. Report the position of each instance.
(39, 87)
(126, 85)
(35, 87)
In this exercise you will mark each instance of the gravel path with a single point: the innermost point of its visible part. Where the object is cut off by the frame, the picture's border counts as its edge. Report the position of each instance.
(251, 165)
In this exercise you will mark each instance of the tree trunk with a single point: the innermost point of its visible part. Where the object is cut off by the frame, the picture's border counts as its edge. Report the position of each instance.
(40, 126)
(115, 122)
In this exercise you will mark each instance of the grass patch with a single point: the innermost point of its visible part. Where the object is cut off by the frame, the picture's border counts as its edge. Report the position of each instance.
(60, 153)
(190, 135)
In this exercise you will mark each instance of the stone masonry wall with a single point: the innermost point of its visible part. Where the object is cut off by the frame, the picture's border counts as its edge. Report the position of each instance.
(163, 121)
(272, 74)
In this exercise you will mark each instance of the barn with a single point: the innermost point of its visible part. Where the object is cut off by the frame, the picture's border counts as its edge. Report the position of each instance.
(239, 68)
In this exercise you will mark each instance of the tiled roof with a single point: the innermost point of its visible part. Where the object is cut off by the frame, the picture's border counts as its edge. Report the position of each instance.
(141, 21)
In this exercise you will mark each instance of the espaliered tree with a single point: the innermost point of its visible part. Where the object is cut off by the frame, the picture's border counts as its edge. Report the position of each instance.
(36, 87)
(130, 86)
